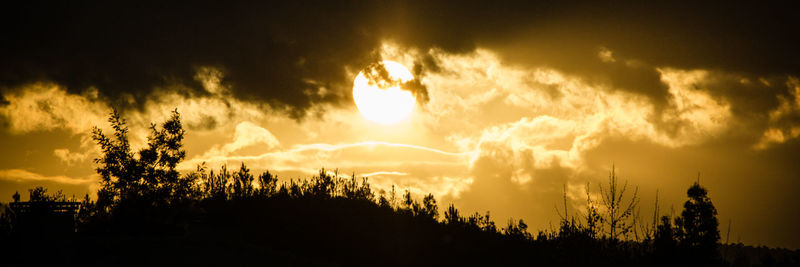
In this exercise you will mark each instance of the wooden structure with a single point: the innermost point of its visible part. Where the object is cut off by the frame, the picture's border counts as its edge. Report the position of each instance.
(44, 217)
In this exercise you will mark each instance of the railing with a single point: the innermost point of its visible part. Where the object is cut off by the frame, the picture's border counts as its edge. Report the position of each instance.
(52, 207)
(44, 217)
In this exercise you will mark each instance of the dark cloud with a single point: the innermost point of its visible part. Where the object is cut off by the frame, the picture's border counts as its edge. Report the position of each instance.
(752, 97)
(269, 51)
(751, 39)
(378, 75)
(754, 38)
(280, 52)
(204, 123)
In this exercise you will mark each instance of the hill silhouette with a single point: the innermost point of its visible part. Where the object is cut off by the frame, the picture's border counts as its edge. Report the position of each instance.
(147, 213)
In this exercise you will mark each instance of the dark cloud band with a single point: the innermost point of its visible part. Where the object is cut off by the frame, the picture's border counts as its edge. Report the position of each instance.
(282, 52)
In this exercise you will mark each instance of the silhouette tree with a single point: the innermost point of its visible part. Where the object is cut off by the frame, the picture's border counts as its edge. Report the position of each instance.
(429, 208)
(39, 194)
(322, 185)
(267, 183)
(152, 176)
(87, 210)
(384, 202)
(6, 218)
(158, 161)
(215, 186)
(618, 210)
(593, 217)
(517, 230)
(243, 182)
(664, 242)
(119, 170)
(482, 222)
(353, 189)
(698, 228)
(451, 216)
(408, 204)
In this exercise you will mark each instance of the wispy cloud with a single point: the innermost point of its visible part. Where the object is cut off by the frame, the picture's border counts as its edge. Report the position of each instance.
(330, 147)
(306, 152)
(384, 173)
(19, 175)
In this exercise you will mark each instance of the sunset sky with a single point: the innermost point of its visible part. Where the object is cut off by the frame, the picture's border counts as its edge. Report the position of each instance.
(514, 103)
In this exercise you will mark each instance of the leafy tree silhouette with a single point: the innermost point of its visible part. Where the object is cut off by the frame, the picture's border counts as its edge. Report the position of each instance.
(141, 188)
(39, 194)
(697, 227)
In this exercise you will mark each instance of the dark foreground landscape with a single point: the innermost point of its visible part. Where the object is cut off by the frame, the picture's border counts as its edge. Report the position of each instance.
(147, 213)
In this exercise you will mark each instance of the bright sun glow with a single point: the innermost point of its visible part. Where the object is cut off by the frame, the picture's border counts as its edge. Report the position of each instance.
(381, 101)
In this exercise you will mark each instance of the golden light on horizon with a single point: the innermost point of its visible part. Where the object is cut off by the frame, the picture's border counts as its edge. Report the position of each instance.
(382, 101)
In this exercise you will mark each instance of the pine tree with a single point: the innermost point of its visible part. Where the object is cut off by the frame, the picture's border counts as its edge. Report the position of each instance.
(698, 226)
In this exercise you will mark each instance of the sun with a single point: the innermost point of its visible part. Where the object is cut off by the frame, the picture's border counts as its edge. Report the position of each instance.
(379, 95)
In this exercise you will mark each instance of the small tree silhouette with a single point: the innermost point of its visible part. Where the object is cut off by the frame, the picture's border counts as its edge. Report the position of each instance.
(39, 194)
(517, 230)
(664, 243)
(618, 211)
(698, 228)
(593, 217)
(267, 183)
(87, 210)
(429, 208)
(243, 182)
(408, 203)
(215, 186)
(451, 216)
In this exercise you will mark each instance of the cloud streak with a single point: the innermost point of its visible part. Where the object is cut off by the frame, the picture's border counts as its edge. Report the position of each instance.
(19, 175)
(336, 147)
(305, 152)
